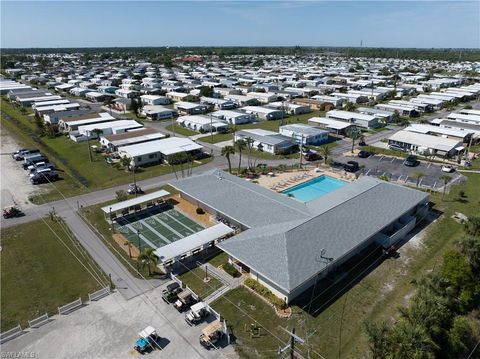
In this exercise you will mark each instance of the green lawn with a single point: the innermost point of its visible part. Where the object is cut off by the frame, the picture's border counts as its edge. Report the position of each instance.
(219, 259)
(94, 216)
(194, 280)
(338, 327)
(181, 130)
(39, 273)
(78, 173)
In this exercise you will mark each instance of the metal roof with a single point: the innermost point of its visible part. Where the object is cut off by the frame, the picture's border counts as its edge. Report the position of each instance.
(135, 201)
(191, 242)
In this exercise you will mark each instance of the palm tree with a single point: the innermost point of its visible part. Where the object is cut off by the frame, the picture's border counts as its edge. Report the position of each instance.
(418, 175)
(445, 179)
(354, 133)
(227, 151)
(249, 141)
(326, 152)
(129, 245)
(350, 106)
(147, 258)
(234, 130)
(241, 145)
(470, 248)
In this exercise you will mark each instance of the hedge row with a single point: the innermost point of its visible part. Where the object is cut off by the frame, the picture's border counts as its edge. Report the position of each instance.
(264, 292)
(227, 267)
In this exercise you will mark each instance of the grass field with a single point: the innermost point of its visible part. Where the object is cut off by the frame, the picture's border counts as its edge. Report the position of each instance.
(78, 174)
(181, 130)
(194, 280)
(39, 273)
(338, 327)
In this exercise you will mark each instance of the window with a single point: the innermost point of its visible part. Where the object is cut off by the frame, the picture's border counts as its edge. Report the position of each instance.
(139, 158)
(153, 155)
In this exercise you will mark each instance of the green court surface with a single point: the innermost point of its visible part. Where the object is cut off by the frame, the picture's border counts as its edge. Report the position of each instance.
(156, 229)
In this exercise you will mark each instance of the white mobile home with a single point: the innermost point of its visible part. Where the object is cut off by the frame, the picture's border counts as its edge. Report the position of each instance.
(359, 119)
(155, 112)
(305, 134)
(267, 141)
(203, 123)
(159, 150)
(423, 143)
(264, 113)
(234, 117)
(151, 100)
(107, 128)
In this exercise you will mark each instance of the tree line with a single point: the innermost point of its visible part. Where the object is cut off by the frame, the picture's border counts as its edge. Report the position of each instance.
(442, 319)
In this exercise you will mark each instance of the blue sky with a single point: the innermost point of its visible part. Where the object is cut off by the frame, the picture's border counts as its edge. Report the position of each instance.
(240, 23)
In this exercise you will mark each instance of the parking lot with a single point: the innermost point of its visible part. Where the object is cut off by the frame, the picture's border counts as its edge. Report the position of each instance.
(394, 169)
(109, 328)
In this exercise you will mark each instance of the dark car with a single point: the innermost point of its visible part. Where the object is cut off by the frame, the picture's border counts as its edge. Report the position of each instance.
(411, 161)
(312, 156)
(364, 154)
(362, 143)
(351, 166)
(44, 177)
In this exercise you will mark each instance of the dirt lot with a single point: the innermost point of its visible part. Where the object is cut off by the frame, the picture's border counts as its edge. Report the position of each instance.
(108, 329)
(15, 186)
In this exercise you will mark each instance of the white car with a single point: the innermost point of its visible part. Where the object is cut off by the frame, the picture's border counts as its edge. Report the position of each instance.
(448, 168)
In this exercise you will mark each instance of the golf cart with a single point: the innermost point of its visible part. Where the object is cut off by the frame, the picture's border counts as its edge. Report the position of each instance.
(196, 313)
(211, 334)
(185, 299)
(170, 294)
(11, 212)
(134, 189)
(148, 340)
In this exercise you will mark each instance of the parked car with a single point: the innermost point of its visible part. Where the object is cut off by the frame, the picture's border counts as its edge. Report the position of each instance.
(147, 341)
(211, 334)
(364, 154)
(184, 300)
(170, 294)
(312, 156)
(411, 161)
(362, 143)
(33, 159)
(448, 168)
(134, 189)
(11, 212)
(351, 166)
(196, 313)
(44, 177)
(40, 166)
(21, 153)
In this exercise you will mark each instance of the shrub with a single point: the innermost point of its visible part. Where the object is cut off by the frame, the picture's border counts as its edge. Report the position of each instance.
(264, 292)
(200, 211)
(227, 267)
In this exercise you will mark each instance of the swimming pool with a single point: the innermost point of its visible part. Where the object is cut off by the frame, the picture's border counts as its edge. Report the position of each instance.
(314, 188)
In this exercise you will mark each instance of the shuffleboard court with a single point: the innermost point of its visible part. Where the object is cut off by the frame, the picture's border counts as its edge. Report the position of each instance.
(156, 229)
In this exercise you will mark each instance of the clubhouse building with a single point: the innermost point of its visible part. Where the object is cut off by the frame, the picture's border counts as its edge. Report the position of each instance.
(286, 244)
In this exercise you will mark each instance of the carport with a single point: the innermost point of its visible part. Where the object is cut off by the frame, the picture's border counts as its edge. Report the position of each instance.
(124, 208)
(193, 244)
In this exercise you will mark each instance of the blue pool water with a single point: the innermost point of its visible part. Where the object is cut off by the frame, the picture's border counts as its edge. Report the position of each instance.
(314, 188)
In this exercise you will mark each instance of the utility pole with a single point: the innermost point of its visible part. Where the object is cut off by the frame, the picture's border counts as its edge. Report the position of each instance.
(211, 128)
(135, 181)
(293, 340)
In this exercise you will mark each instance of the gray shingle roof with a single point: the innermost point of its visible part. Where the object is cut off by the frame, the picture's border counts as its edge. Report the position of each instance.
(246, 202)
(286, 236)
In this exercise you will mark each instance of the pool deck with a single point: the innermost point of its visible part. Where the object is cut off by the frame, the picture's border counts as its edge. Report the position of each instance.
(284, 180)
